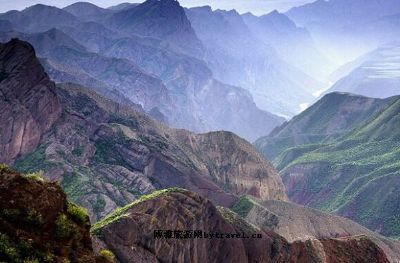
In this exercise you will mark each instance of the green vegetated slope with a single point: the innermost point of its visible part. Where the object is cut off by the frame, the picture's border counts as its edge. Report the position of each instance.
(355, 174)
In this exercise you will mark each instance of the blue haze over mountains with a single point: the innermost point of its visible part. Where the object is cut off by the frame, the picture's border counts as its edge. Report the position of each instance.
(204, 69)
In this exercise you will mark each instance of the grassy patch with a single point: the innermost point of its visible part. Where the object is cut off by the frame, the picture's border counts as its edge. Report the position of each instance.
(121, 212)
(4, 168)
(236, 220)
(107, 254)
(33, 161)
(243, 206)
(73, 184)
(77, 213)
(36, 176)
(99, 204)
(77, 151)
(34, 218)
(64, 228)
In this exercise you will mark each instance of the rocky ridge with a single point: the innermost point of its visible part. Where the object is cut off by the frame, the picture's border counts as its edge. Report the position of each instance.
(28, 103)
(38, 224)
(129, 233)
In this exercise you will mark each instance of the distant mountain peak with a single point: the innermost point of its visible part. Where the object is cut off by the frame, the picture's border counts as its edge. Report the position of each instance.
(39, 7)
(162, 19)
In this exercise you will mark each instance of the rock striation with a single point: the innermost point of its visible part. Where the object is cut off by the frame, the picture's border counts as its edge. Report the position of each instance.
(28, 102)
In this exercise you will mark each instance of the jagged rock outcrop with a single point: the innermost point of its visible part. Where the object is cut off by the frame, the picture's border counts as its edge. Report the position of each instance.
(68, 61)
(129, 233)
(164, 20)
(235, 163)
(37, 223)
(28, 102)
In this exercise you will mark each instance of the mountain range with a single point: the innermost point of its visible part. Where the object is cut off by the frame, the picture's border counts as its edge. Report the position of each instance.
(122, 126)
(106, 154)
(358, 26)
(228, 38)
(375, 74)
(181, 84)
(341, 156)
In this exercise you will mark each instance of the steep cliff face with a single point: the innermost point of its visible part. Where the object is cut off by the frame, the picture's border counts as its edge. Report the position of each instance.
(28, 102)
(68, 61)
(164, 20)
(38, 223)
(129, 233)
(233, 162)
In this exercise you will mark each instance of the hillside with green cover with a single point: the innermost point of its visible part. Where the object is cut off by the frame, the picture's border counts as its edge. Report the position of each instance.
(356, 175)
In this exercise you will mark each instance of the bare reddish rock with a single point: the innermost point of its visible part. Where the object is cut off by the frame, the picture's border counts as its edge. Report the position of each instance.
(28, 102)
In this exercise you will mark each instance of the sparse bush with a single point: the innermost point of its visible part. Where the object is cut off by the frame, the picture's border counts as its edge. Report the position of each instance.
(107, 254)
(49, 257)
(243, 206)
(6, 248)
(77, 151)
(37, 176)
(77, 213)
(63, 228)
(10, 214)
(31, 260)
(34, 218)
(4, 167)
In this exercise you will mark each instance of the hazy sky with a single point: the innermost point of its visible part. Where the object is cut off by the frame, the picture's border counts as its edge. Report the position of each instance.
(255, 6)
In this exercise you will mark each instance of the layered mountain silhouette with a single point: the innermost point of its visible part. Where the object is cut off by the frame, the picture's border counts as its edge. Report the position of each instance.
(228, 41)
(39, 18)
(347, 29)
(376, 74)
(293, 44)
(113, 60)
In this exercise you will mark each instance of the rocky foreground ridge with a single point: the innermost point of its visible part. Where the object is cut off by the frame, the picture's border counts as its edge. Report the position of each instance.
(129, 233)
(38, 224)
(51, 229)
